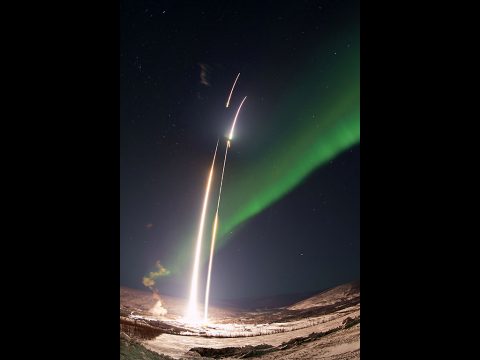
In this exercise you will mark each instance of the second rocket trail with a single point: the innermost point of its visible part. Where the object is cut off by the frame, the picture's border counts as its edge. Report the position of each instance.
(214, 233)
(230, 136)
(192, 314)
(215, 222)
(231, 91)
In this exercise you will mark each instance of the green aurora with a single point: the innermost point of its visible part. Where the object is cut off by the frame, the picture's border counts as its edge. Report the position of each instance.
(287, 162)
(318, 119)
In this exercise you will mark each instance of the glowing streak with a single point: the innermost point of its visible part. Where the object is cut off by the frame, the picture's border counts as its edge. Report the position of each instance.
(215, 223)
(235, 120)
(192, 311)
(231, 91)
(214, 234)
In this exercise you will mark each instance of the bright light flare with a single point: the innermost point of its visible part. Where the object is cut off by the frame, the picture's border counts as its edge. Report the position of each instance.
(231, 91)
(192, 310)
(230, 136)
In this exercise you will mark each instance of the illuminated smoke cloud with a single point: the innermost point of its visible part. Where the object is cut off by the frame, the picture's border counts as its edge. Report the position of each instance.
(158, 309)
(149, 281)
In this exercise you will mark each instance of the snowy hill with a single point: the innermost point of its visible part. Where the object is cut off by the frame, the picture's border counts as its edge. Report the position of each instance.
(338, 294)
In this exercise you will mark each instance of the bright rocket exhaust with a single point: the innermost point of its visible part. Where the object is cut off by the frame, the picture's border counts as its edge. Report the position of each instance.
(192, 310)
(215, 222)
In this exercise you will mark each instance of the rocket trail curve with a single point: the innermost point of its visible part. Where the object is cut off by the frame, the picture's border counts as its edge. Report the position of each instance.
(230, 136)
(231, 91)
(215, 222)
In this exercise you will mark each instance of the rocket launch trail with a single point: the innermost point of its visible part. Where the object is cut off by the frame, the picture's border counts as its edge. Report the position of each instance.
(231, 91)
(215, 222)
(230, 136)
(192, 311)
(214, 233)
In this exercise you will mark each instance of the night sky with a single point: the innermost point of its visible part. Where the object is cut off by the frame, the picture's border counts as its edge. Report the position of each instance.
(290, 213)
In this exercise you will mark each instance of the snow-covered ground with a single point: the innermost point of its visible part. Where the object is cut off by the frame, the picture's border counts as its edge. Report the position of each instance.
(341, 345)
(323, 322)
(328, 311)
(178, 346)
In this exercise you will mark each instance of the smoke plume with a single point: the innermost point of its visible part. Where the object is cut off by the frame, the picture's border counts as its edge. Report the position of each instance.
(149, 281)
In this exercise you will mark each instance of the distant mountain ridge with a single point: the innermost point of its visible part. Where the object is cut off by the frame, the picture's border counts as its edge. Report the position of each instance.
(265, 302)
(297, 301)
(332, 296)
(144, 299)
